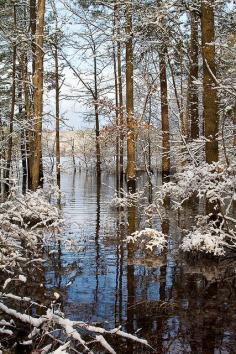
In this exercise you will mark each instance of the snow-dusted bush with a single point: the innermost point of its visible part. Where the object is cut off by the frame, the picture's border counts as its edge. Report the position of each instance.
(150, 238)
(213, 184)
(203, 240)
(127, 200)
(29, 211)
(23, 220)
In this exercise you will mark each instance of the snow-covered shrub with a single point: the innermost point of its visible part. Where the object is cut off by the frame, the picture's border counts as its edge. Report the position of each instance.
(23, 220)
(150, 238)
(204, 240)
(127, 200)
(29, 211)
(213, 184)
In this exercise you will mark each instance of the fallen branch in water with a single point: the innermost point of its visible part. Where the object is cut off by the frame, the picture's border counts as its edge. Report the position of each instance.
(71, 329)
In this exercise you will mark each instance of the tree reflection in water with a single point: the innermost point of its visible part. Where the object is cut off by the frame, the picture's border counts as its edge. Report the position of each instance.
(180, 304)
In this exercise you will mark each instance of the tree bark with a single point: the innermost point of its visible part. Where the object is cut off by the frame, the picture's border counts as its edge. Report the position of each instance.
(12, 112)
(28, 115)
(38, 95)
(117, 108)
(121, 115)
(23, 147)
(234, 124)
(210, 101)
(33, 31)
(120, 96)
(192, 100)
(131, 144)
(164, 114)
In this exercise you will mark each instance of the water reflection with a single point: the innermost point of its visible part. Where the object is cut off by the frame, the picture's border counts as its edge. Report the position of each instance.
(180, 305)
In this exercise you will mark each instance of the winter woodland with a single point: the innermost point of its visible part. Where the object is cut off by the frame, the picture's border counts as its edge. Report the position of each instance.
(141, 93)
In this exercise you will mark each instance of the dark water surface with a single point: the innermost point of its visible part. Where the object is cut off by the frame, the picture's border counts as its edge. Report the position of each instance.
(179, 305)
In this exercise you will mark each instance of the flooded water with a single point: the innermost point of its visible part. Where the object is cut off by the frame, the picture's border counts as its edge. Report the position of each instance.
(179, 305)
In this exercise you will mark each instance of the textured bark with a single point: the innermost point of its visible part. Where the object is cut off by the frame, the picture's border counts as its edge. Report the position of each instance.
(12, 112)
(210, 102)
(33, 31)
(192, 100)
(2, 156)
(121, 115)
(22, 133)
(38, 95)
(30, 97)
(164, 114)
(28, 116)
(234, 123)
(131, 145)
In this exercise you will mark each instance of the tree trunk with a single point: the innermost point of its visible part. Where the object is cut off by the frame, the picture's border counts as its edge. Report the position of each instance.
(120, 96)
(210, 102)
(33, 31)
(97, 124)
(58, 156)
(121, 116)
(22, 133)
(131, 145)
(30, 97)
(38, 96)
(192, 100)
(117, 112)
(28, 115)
(164, 114)
(2, 157)
(234, 124)
(12, 112)
(73, 154)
